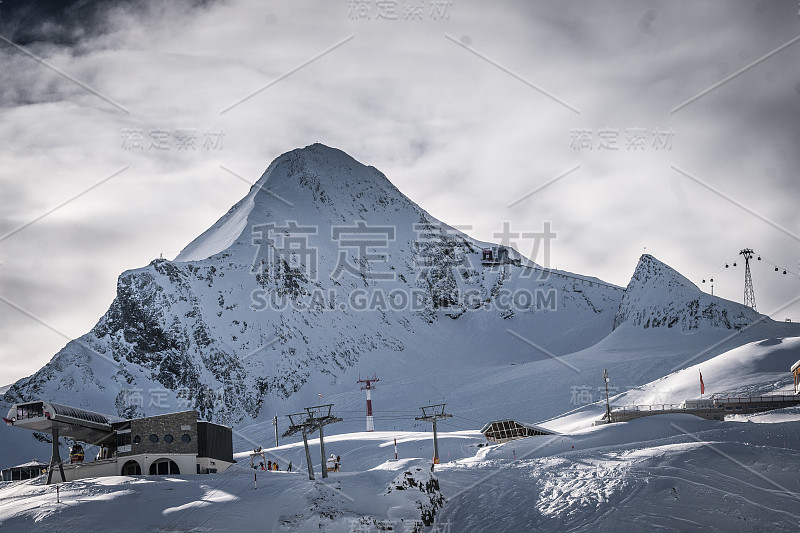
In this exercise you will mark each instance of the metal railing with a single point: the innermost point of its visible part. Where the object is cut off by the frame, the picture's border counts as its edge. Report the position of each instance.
(650, 407)
(718, 401)
(773, 398)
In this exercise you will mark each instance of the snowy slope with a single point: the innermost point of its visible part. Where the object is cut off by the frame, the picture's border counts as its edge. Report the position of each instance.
(761, 369)
(674, 472)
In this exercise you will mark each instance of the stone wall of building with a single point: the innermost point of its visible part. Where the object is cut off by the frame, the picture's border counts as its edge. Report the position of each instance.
(164, 434)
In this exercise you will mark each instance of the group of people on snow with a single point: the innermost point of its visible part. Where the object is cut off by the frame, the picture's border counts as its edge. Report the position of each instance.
(334, 463)
(273, 465)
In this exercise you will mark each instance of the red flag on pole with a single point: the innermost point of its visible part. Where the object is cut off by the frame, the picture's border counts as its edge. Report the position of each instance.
(702, 385)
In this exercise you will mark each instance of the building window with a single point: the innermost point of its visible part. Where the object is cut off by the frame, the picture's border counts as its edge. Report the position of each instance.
(186, 438)
(168, 438)
(137, 439)
(124, 440)
(154, 438)
(164, 467)
(131, 468)
(34, 410)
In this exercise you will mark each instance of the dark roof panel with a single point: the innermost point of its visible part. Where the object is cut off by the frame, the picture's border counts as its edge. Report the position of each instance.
(80, 414)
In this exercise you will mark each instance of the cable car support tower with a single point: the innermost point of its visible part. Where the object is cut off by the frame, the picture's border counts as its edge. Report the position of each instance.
(749, 293)
(369, 387)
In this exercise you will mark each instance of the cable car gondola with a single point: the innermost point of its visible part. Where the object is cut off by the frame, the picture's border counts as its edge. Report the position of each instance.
(76, 453)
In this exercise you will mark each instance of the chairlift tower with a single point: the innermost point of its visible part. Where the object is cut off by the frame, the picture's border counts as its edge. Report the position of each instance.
(432, 413)
(312, 420)
(369, 387)
(749, 294)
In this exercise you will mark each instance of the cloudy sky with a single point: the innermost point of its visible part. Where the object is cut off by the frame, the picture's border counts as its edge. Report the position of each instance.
(631, 126)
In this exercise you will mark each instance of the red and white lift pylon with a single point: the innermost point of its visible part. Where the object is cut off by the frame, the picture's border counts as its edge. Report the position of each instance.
(369, 387)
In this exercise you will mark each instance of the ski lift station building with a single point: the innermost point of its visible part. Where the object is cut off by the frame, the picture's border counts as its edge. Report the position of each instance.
(168, 444)
(29, 470)
(795, 370)
(500, 431)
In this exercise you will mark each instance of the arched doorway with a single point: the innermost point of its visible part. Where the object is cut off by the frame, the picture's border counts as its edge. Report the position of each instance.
(164, 467)
(131, 468)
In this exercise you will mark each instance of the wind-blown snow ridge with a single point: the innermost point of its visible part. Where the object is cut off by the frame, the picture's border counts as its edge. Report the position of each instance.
(222, 234)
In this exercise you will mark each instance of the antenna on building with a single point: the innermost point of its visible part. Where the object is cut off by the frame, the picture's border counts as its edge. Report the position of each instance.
(369, 387)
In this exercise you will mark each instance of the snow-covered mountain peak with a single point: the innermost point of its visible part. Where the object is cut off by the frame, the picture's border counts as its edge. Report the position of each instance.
(316, 185)
(656, 279)
(651, 271)
(320, 168)
(659, 296)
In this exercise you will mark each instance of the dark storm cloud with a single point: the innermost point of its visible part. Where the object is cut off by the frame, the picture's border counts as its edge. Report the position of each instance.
(69, 23)
(58, 22)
